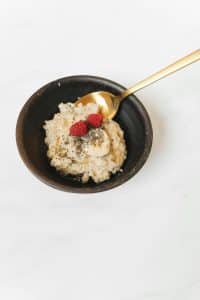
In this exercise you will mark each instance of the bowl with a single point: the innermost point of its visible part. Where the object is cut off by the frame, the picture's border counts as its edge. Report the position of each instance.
(43, 104)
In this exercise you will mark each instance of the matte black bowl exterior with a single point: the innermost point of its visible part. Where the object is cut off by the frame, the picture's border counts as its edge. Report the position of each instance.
(42, 105)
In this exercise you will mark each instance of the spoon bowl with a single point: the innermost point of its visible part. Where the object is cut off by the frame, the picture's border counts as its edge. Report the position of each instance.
(108, 103)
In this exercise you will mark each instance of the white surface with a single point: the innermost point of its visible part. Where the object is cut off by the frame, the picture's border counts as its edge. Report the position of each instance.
(140, 241)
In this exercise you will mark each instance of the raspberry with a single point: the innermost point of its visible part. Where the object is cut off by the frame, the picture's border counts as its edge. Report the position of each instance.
(95, 120)
(78, 129)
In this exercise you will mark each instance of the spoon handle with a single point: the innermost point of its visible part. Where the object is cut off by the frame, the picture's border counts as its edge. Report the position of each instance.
(179, 64)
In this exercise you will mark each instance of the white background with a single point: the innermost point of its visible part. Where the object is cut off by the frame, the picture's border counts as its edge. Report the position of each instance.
(140, 241)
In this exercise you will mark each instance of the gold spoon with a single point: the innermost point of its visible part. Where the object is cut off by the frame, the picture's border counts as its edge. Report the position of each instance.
(109, 103)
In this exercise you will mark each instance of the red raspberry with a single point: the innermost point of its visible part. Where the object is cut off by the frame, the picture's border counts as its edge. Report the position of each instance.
(95, 120)
(78, 129)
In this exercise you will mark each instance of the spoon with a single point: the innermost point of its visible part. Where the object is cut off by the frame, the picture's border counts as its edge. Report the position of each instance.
(109, 104)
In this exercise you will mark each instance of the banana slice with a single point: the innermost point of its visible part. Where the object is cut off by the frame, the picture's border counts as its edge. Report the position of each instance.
(98, 143)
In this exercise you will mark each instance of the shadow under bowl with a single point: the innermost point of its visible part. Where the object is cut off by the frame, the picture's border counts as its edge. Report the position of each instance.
(43, 104)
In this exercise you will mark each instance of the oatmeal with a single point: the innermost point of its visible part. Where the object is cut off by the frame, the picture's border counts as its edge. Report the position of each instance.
(93, 150)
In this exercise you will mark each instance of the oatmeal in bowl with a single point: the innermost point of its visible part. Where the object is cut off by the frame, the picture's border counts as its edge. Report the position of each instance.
(82, 144)
(60, 132)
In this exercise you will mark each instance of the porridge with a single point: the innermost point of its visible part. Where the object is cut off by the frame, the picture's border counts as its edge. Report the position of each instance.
(82, 144)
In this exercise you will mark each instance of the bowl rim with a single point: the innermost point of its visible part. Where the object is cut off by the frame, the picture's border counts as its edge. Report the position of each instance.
(98, 188)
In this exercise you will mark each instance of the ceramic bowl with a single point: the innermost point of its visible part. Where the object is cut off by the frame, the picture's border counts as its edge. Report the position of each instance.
(43, 104)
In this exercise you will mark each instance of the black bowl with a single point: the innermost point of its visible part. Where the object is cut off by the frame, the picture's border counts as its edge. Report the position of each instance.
(132, 117)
